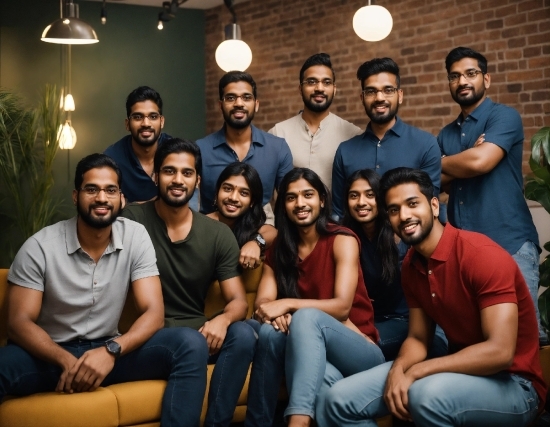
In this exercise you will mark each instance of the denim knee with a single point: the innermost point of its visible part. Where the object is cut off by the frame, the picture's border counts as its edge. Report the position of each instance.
(306, 317)
(273, 340)
(184, 341)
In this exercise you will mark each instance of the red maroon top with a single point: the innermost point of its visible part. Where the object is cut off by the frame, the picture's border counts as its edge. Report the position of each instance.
(316, 280)
(466, 273)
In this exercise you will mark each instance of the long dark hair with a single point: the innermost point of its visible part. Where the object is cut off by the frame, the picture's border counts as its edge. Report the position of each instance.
(248, 224)
(285, 247)
(385, 242)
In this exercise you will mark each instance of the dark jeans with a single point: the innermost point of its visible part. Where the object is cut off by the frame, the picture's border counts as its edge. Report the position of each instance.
(178, 355)
(232, 363)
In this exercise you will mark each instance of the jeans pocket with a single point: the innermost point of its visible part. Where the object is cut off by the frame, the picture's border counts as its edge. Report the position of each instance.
(530, 393)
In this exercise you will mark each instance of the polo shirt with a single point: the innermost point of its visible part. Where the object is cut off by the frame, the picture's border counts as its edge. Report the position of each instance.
(137, 185)
(402, 145)
(268, 154)
(188, 267)
(466, 273)
(82, 299)
(492, 203)
(315, 150)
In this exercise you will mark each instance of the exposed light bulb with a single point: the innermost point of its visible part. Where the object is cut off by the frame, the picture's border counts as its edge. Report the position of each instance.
(67, 136)
(160, 26)
(68, 105)
(233, 55)
(372, 23)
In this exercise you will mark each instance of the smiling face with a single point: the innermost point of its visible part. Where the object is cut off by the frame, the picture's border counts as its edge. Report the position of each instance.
(234, 197)
(99, 210)
(465, 92)
(381, 109)
(410, 213)
(238, 114)
(362, 202)
(145, 123)
(317, 98)
(177, 179)
(302, 203)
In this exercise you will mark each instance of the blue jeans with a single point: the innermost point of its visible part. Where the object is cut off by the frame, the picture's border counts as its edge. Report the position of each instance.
(178, 355)
(267, 373)
(317, 340)
(232, 363)
(439, 400)
(527, 259)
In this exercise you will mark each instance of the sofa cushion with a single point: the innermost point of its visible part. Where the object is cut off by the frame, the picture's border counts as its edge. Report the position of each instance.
(138, 402)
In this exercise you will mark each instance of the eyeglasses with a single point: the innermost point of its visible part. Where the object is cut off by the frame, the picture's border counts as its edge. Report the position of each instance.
(468, 75)
(315, 82)
(92, 190)
(231, 98)
(138, 117)
(388, 92)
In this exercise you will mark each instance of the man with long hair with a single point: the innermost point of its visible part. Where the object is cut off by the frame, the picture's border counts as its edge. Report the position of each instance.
(312, 300)
(239, 206)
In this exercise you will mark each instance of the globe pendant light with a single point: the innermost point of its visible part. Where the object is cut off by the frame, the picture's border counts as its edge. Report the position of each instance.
(233, 54)
(372, 23)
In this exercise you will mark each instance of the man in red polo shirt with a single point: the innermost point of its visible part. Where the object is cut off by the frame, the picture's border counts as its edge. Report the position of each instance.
(474, 290)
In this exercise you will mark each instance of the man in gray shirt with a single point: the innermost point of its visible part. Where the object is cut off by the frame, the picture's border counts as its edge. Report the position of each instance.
(67, 287)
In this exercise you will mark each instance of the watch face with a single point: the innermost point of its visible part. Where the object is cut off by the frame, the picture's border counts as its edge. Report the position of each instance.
(113, 347)
(260, 240)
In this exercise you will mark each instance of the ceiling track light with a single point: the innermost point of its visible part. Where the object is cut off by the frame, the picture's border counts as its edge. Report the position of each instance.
(169, 10)
(103, 13)
(233, 54)
(69, 29)
(372, 23)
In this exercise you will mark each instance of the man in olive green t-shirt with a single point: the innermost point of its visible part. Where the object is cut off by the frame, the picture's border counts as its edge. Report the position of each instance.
(193, 251)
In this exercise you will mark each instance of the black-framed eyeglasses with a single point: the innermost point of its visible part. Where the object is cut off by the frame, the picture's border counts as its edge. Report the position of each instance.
(371, 92)
(92, 190)
(232, 98)
(468, 75)
(314, 82)
(138, 117)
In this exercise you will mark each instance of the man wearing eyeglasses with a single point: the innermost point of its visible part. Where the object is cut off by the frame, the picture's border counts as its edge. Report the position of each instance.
(388, 142)
(67, 288)
(314, 134)
(239, 140)
(135, 152)
(481, 167)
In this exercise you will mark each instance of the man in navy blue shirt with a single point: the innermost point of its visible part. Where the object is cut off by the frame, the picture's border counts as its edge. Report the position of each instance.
(387, 143)
(135, 152)
(239, 140)
(483, 151)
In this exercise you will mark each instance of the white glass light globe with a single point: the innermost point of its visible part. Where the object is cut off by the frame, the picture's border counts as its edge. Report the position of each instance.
(372, 23)
(233, 55)
(68, 105)
(67, 136)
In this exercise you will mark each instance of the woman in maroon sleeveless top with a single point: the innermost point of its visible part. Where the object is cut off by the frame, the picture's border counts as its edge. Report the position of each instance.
(312, 300)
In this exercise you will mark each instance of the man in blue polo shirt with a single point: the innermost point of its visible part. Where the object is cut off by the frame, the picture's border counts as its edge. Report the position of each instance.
(483, 151)
(388, 142)
(134, 153)
(239, 140)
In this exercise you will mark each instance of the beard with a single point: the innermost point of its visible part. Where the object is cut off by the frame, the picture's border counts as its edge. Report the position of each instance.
(418, 238)
(174, 201)
(466, 100)
(317, 107)
(381, 119)
(98, 222)
(146, 142)
(238, 123)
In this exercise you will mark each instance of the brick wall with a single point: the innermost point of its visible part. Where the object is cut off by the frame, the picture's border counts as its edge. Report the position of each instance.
(513, 35)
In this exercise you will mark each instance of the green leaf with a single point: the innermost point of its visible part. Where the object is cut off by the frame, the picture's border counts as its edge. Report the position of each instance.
(540, 154)
(544, 306)
(539, 192)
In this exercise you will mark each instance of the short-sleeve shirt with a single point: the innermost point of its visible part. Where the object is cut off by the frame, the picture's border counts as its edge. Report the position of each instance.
(137, 185)
(492, 203)
(466, 273)
(187, 268)
(82, 299)
(268, 154)
(315, 151)
(402, 146)
(317, 277)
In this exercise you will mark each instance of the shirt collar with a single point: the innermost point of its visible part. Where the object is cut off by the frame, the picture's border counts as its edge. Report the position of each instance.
(73, 245)
(219, 136)
(478, 112)
(321, 124)
(444, 248)
(398, 128)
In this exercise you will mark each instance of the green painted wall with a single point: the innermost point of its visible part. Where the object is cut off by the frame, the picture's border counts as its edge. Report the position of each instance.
(131, 52)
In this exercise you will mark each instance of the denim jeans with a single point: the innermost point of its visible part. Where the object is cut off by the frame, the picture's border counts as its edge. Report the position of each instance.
(439, 400)
(232, 363)
(267, 373)
(178, 355)
(317, 340)
(527, 259)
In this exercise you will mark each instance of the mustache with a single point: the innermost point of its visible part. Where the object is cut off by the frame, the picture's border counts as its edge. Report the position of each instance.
(101, 205)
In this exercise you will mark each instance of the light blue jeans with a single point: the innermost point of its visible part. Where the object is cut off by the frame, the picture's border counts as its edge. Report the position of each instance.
(439, 400)
(319, 351)
(527, 259)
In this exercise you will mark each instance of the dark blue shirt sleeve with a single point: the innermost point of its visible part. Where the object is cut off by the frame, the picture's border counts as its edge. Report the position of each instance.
(285, 163)
(338, 182)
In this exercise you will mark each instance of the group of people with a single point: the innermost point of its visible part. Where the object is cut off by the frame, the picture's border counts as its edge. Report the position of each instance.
(368, 304)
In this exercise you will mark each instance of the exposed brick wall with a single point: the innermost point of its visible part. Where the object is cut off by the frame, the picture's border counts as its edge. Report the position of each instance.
(513, 35)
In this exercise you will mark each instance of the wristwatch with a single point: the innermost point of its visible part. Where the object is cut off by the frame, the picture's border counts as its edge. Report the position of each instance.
(260, 241)
(113, 347)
